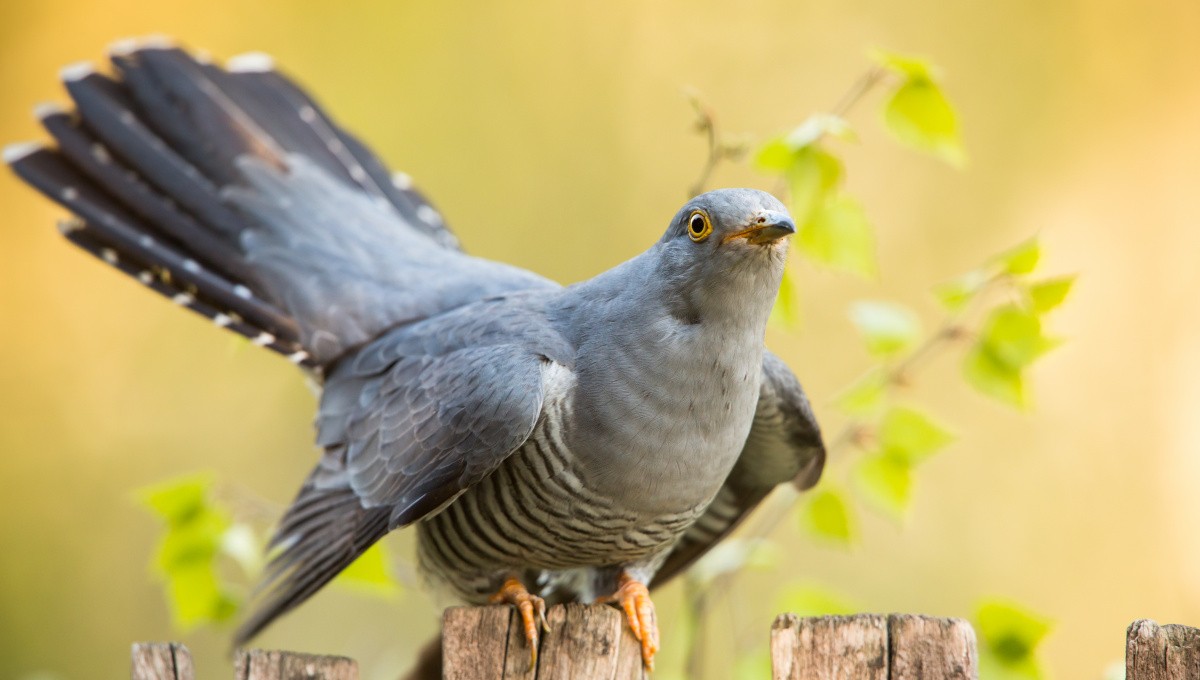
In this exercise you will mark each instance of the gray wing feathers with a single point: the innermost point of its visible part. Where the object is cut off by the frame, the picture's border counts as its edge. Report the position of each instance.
(437, 425)
(408, 423)
(784, 445)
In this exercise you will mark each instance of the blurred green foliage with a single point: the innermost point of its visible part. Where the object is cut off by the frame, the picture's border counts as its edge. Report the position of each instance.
(1009, 635)
(189, 550)
(201, 541)
(997, 307)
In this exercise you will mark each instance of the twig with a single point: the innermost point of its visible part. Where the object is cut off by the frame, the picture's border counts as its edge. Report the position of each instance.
(857, 91)
(706, 124)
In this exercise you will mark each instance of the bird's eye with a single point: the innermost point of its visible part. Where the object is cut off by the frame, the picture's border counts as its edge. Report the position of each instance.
(699, 226)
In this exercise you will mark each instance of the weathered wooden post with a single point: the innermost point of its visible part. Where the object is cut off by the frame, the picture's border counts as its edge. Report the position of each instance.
(1154, 652)
(873, 647)
(161, 661)
(584, 642)
(172, 661)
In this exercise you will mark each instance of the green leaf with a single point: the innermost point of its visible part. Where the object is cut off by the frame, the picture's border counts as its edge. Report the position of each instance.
(919, 115)
(810, 599)
(778, 154)
(826, 516)
(1009, 636)
(785, 313)
(1049, 294)
(956, 294)
(866, 396)
(1022, 259)
(196, 597)
(1013, 336)
(194, 543)
(911, 435)
(774, 157)
(885, 479)
(906, 66)
(812, 178)
(177, 500)
(370, 574)
(993, 378)
(189, 549)
(839, 236)
(887, 328)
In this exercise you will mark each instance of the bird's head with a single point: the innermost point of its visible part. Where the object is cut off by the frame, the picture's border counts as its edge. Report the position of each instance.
(725, 250)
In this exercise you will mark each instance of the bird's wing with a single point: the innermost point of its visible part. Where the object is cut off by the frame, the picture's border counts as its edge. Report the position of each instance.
(231, 191)
(784, 445)
(408, 423)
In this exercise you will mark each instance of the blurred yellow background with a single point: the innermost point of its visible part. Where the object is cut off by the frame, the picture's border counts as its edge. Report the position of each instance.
(554, 136)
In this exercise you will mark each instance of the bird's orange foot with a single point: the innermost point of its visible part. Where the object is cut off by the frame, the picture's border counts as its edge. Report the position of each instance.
(634, 598)
(532, 609)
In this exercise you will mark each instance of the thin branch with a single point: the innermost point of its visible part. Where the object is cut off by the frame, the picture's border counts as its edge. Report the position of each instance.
(857, 91)
(706, 124)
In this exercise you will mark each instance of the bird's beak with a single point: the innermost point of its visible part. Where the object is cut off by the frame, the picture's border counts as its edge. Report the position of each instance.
(767, 226)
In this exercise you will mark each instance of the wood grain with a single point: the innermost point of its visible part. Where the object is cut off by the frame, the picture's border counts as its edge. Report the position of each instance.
(259, 664)
(871, 646)
(928, 648)
(1154, 652)
(584, 641)
(161, 661)
(829, 647)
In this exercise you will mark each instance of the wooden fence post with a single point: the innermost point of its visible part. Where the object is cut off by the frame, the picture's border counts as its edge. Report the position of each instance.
(1154, 652)
(260, 664)
(172, 661)
(873, 647)
(161, 661)
(584, 642)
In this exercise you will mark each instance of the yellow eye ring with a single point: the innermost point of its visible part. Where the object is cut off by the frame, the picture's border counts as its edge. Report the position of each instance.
(699, 226)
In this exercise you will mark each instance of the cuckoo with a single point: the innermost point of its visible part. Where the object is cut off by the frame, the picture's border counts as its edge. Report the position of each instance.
(548, 443)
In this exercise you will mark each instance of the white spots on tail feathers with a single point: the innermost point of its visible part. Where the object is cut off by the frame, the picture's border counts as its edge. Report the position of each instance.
(308, 114)
(109, 255)
(263, 339)
(191, 266)
(77, 71)
(222, 320)
(67, 226)
(402, 181)
(127, 46)
(101, 154)
(15, 152)
(127, 118)
(297, 357)
(46, 109)
(146, 241)
(429, 216)
(250, 62)
(146, 277)
(358, 174)
(242, 292)
(184, 299)
(69, 194)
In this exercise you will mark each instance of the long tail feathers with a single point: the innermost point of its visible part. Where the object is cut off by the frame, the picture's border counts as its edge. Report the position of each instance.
(144, 157)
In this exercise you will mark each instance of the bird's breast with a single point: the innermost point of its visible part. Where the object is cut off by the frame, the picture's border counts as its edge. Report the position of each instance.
(662, 419)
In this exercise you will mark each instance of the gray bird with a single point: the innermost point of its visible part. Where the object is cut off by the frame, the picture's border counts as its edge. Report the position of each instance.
(550, 443)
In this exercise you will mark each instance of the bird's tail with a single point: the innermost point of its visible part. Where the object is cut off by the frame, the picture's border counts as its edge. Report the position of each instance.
(143, 160)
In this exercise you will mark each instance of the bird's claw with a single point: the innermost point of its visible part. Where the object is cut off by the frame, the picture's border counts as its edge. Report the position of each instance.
(634, 598)
(532, 610)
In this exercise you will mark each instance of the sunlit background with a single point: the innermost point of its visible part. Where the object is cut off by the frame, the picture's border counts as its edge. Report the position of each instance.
(555, 136)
